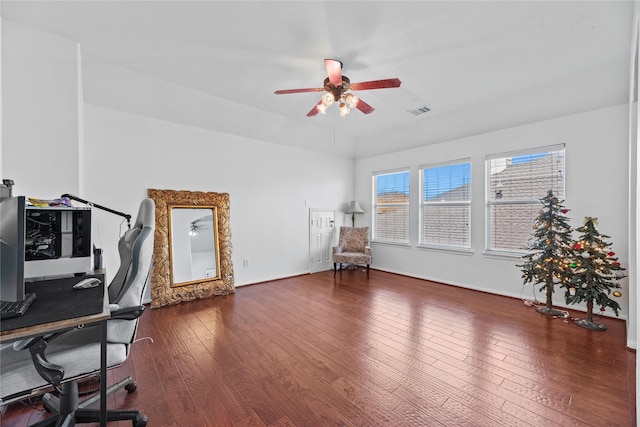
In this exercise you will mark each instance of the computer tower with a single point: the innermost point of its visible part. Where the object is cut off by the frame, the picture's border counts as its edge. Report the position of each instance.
(57, 241)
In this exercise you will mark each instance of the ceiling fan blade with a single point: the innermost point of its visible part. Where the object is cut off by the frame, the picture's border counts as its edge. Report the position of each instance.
(286, 91)
(376, 84)
(364, 107)
(314, 111)
(334, 71)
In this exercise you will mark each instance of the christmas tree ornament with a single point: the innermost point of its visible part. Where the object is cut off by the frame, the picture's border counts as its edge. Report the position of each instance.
(585, 254)
(617, 294)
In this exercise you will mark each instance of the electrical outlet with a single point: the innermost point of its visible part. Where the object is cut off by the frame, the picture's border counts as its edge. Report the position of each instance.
(245, 263)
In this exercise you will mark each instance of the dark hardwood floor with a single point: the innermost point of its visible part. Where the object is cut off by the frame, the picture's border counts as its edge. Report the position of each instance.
(386, 350)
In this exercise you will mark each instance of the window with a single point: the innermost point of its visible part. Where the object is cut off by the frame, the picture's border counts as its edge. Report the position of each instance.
(391, 206)
(515, 184)
(445, 205)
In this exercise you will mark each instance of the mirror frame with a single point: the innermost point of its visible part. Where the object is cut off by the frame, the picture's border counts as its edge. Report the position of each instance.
(162, 291)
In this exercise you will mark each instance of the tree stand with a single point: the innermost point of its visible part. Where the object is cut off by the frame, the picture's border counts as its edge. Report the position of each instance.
(588, 322)
(548, 309)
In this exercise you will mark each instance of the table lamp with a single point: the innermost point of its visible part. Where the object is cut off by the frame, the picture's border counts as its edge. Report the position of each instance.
(354, 208)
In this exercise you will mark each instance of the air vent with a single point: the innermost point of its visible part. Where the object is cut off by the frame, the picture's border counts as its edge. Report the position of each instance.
(419, 110)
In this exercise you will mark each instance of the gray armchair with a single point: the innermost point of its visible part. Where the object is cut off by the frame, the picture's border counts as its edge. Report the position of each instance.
(353, 248)
(62, 359)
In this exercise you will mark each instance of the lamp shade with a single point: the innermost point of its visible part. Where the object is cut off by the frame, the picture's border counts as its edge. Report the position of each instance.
(354, 207)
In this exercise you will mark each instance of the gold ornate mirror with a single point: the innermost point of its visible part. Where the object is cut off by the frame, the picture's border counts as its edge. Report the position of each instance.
(192, 248)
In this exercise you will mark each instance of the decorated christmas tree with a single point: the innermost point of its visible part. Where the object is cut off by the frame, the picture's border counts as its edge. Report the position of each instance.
(547, 263)
(596, 271)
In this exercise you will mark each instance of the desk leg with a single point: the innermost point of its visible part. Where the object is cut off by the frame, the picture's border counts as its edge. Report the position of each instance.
(103, 373)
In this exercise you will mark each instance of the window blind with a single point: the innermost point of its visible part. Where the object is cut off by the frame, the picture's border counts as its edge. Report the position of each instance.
(445, 208)
(391, 206)
(515, 185)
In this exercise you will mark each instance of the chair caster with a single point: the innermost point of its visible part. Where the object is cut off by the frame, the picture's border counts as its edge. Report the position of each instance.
(140, 421)
(131, 387)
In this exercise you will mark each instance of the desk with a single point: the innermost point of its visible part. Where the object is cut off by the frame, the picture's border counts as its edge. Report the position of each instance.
(58, 307)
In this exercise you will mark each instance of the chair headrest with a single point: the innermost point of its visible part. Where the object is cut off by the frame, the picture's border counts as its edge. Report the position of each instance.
(146, 214)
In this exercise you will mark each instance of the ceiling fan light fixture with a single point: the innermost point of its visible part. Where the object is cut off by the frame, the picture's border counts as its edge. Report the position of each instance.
(322, 108)
(344, 109)
(351, 100)
(327, 99)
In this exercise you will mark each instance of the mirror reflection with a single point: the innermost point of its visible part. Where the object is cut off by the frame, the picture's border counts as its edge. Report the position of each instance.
(193, 244)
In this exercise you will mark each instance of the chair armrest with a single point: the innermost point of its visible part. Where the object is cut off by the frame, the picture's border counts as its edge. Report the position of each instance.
(25, 343)
(368, 251)
(37, 345)
(128, 313)
(51, 373)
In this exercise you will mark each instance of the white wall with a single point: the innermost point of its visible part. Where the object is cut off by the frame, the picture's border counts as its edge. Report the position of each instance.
(596, 185)
(268, 184)
(40, 112)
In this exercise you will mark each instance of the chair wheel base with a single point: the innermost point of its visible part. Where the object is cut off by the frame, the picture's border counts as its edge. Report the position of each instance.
(140, 421)
(131, 387)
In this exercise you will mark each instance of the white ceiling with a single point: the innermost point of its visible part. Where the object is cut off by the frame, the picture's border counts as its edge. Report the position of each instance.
(479, 65)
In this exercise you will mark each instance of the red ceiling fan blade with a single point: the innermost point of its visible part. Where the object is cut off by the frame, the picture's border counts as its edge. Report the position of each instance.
(376, 84)
(314, 111)
(364, 107)
(286, 91)
(334, 71)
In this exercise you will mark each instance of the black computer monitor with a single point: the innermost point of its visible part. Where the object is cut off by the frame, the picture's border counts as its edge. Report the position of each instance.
(12, 238)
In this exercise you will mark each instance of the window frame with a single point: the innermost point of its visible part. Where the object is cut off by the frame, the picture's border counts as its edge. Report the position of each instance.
(422, 204)
(375, 205)
(490, 203)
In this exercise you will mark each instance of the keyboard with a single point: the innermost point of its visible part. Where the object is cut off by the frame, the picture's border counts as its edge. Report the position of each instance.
(9, 309)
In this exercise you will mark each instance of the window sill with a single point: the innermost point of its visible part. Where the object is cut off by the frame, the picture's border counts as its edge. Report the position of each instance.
(450, 249)
(389, 243)
(504, 255)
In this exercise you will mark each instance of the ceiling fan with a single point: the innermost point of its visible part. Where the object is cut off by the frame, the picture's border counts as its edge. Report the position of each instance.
(336, 88)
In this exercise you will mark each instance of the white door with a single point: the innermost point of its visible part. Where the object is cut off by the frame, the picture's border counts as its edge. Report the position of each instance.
(321, 226)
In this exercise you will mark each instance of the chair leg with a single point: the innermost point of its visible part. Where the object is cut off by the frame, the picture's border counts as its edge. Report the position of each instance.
(367, 269)
(337, 266)
(51, 421)
(93, 415)
(69, 410)
(64, 407)
(128, 383)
